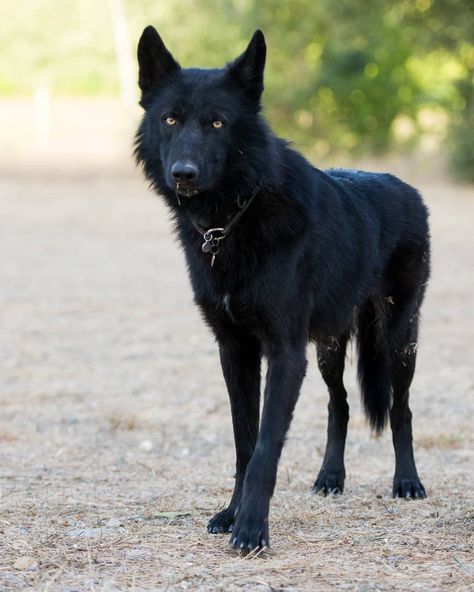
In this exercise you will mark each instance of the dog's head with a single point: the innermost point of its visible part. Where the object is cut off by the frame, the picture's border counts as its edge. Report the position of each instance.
(196, 120)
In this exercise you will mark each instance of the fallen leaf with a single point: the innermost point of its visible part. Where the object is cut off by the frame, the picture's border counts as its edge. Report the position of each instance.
(26, 564)
(171, 515)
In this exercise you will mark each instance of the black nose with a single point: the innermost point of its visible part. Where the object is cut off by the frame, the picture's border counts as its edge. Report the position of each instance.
(184, 171)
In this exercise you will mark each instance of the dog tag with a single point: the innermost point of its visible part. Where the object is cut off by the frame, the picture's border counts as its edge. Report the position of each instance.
(210, 245)
(206, 246)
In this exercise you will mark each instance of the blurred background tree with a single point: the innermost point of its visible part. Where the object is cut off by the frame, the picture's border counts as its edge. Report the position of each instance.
(345, 76)
(447, 33)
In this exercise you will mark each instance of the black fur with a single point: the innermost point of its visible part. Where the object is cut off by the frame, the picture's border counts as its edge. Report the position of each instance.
(317, 256)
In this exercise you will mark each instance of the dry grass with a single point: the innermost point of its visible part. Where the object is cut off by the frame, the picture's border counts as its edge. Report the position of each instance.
(115, 437)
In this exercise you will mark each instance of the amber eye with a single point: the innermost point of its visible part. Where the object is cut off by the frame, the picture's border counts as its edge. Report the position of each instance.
(217, 124)
(170, 120)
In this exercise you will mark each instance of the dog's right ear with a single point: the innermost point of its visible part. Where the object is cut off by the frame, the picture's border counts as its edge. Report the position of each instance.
(156, 64)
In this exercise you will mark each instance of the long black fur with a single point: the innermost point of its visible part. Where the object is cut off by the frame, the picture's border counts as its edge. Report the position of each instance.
(317, 256)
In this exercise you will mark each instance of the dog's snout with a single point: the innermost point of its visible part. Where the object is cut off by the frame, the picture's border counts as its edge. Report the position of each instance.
(187, 172)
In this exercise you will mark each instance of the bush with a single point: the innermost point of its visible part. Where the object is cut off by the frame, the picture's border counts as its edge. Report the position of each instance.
(461, 154)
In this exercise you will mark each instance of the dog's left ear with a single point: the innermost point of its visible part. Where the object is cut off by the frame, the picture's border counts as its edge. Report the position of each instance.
(248, 68)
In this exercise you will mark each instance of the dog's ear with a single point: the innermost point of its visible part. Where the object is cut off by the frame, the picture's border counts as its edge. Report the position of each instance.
(156, 64)
(248, 68)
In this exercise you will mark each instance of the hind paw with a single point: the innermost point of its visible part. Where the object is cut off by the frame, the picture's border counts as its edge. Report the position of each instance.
(221, 522)
(410, 488)
(329, 482)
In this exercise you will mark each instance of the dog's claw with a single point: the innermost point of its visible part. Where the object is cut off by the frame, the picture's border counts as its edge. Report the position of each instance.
(411, 488)
(222, 522)
(250, 532)
(329, 482)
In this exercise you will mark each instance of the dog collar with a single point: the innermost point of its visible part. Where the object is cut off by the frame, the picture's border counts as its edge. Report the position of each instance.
(213, 236)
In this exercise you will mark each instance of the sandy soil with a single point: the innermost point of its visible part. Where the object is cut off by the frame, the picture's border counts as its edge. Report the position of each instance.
(115, 435)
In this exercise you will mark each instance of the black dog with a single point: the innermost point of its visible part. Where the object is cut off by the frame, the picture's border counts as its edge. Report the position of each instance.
(279, 254)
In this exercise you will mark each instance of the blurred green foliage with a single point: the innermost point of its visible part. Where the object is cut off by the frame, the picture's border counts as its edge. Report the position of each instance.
(342, 75)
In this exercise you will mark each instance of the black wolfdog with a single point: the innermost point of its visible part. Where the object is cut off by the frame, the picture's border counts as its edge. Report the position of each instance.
(280, 253)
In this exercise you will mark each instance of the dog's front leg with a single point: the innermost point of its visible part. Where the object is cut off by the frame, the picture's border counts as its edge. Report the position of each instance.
(286, 370)
(240, 360)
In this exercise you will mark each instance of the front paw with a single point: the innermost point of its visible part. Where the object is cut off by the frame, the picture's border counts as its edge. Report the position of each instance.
(221, 522)
(250, 530)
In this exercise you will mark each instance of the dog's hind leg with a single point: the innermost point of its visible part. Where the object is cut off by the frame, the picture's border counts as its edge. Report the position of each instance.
(240, 360)
(406, 482)
(331, 357)
(408, 276)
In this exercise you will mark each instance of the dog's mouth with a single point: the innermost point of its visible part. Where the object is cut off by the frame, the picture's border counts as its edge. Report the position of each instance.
(186, 190)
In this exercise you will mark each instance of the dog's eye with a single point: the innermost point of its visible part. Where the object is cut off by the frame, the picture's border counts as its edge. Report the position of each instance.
(170, 120)
(217, 124)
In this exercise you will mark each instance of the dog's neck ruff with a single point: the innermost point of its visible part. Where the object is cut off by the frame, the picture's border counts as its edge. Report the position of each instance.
(213, 236)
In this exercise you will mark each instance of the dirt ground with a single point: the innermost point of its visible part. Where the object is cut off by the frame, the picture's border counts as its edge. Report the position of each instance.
(115, 434)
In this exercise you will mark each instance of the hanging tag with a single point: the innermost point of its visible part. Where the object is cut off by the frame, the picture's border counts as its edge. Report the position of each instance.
(211, 243)
(206, 246)
(214, 250)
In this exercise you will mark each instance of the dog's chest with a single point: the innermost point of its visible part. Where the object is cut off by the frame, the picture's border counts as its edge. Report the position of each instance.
(237, 309)
(226, 305)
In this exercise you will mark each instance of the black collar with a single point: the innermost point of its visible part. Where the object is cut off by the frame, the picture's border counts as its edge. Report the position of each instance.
(213, 236)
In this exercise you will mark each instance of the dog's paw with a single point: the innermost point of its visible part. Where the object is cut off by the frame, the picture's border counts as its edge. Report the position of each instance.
(410, 488)
(329, 482)
(249, 532)
(221, 522)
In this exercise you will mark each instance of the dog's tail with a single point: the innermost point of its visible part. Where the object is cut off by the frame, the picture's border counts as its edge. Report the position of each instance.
(373, 365)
